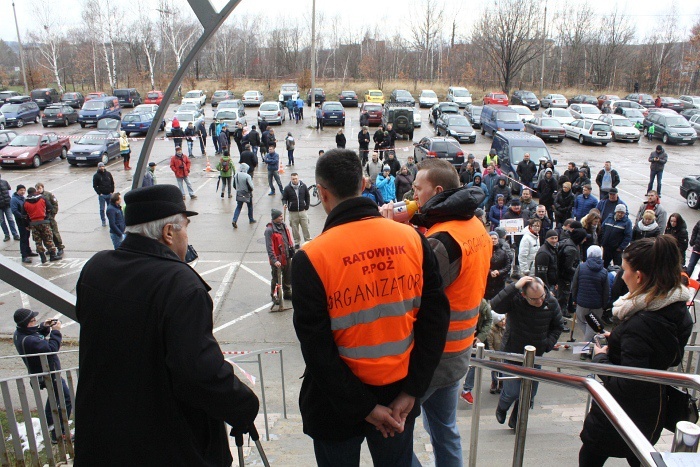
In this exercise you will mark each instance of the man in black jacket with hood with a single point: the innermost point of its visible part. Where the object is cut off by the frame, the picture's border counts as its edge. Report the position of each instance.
(546, 260)
(569, 257)
(247, 157)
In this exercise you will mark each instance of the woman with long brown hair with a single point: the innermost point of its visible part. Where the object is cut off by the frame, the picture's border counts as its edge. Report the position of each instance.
(654, 328)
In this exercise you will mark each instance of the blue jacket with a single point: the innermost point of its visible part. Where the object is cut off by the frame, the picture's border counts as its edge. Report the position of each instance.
(272, 160)
(39, 339)
(484, 189)
(616, 234)
(496, 214)
(17, 207)
(607, 207)
(117, 225)
(583, 205)
(300, 103)
(590, 285)
(373, 194)
(387, 187)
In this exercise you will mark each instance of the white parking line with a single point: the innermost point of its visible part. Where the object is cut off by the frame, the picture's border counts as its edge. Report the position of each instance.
(241, 318)
(220, 267)
(225, 283)
(255, 274)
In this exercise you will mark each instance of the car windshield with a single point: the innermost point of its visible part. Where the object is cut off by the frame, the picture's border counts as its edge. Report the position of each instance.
(187, 107)
(184, 116)
(26, 140)
(590, 110)
(621, 122)
(289, 88)
(676, 122)
(147, 108)
(634, 113)
(476, 111)
(646, 97)
(10, 108)
(549, 123)
(696, 100)
(450, 108)
(523, 110)
(428, 94)
(192, 94)
(93, 105)
(227, 104)
(132, 118)
(461, 93)
(403, 94)
(529, 95)
(500, 96)
(508, 117)
(250, 94)
(333, 107)
(376, 93)
(220, 93)
(6, 94)
(227, 115)
(557, 96)
(444, 147)
(53, 110)
(153, 95)
(561, 113)
(348, 93)
(517, 153)
(373, 108)
(269, 106)
(458, 121)
(91, 140)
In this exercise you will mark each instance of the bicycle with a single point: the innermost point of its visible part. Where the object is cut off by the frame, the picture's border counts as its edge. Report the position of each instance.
(313, 192)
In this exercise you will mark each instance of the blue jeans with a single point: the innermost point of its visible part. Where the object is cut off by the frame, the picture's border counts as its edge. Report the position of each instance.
(7, 213)
(104, 202)
(116, 239)
(237, 212)
(655, 174)
(182, 188)
(276, 175)
(511, 391)
(391, 451)
(440, 421)
(189, 148)
(694, 257)
(290, 156)
(24, 234)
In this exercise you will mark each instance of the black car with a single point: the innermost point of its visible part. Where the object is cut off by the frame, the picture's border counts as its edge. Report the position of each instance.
(319, 96)
(5, 95)
(672, 103)
(473, 114)
(643, 99)
(441, 147)
(402, 96)
(18, 100)
(457, 127)
(584, 99)
(348, 98)
(443, 107)
(74, 99)
(59, 114)
(6, 136)
(45, 97)
(526, 98)
(546, 128)
(687, 113)
(690, 190)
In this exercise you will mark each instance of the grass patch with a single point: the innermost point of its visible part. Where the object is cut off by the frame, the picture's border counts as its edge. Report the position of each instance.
(4, 422)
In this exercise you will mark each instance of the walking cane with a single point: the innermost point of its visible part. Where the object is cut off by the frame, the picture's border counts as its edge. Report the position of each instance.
(253, 432)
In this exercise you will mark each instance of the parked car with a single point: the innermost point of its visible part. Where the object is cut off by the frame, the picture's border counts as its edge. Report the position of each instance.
(18, 100)
(221, 95)
(695, 122)
(374, 111)
(546, 128)
(154, 97)
(146, 108)
(583, 99)
(670, 128)
(183, 118)
(400, 115)
(554, 100)
(191, 107)
(272, 112)
(443, 107)
(525, 113)
(687, 113)
(196, 96)
(29, 150)
(402, 96)
(587, 130)
(496, 98)
(584, 111)
(251, 98)
(622, 128)
(288, 90)
(95, 95)
(138, 122)
(417, 121)
(94, 147)
(643, 99)
(440, 147)
(606, 97)
(457, 127)
(671, 103)
(526, 98)
(633, 115)
(44, 97)
(2, 121)
(5, 95)
(690, 102)
(128, 97)
(59, 114)
(374, 95)
(6, 136)
(230, 104)
(319, 96)
(690, 190)
(19, 114)
(499, 118)
(427, 98)
(561, 115)
(511, 146)
(96, 109)
(74, 99)
(617, 106)
(231, 116)
(348, 98)
(333, 113)
(459, 95)
(473, 114)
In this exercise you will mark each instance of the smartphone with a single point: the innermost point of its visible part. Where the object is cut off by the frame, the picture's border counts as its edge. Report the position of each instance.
(601, 340)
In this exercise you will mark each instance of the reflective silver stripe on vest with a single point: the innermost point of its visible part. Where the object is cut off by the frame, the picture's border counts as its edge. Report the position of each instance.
(370, 315)
(464, 315)
(377, 351)
(462, 334)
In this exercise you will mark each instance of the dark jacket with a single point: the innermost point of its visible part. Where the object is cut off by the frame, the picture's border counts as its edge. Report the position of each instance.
(613, 174)
(254, 138)
(496, 213)
(526, 170)
(527, 324)
(568, 259)
(363, 139)
(563, 205)
(296, 203)
(247, 157)
(658, 161)
(645, 231)
(590, 287)
(546, 264)
(364, 120)
(571, 175)
(501, 262)
(272, 160)
(340, 140)
(499, 189)
(223, 140)
(695, 237)
(38, 339)
(404, 183)
(616, 234)
(177, 134)
(650, 340)
(374, 194)
(546, 189)
(17, 207)
(4, 194)
(103, 183)
(607, 207)
(117, 225)
(583, 205)
(162, 377)
(578, 184)
(680, 233)
(267, 138)
(190, 133)
(393, 164)
(333, 401)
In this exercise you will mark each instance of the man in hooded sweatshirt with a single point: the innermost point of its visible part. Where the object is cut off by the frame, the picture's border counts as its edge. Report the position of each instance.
(243, 184)
(590, 289)
(501, 188)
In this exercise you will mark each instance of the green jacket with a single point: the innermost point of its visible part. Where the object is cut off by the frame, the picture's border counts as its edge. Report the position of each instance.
(220, 167)
(484, 324)
(651, 130)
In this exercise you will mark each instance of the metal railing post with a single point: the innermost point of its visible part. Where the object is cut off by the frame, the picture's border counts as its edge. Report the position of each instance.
(53, 403)
(284, 394)
(523, 409)
(28, 425)
(264, 402)
(476, 408)
(686, 438)
(693, 338)
(34, 383)
(12, 422)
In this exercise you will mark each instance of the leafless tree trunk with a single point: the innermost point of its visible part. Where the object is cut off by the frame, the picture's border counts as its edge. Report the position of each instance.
(48, 36)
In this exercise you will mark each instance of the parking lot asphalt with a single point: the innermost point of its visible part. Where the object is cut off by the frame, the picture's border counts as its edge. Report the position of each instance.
(234, 262)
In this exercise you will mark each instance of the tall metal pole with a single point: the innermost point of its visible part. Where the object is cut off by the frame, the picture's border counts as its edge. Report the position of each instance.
(313, 58)
(21, 51)
(544, 43)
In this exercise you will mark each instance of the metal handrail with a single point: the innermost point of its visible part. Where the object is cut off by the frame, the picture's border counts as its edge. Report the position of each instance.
(627, 429)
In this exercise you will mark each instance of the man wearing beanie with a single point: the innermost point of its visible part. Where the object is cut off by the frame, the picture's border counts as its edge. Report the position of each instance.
(569, 257)
(546, 260)
(32, 337)
(616, 234)
(386, 184)
(280, 249)
(151, 372)
(177, 133)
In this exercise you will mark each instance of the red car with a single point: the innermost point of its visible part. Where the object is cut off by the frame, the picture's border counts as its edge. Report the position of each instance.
(375, 112)
(606, 97)
(95, 95)
(154, 97)
(496, 98)
(34, 149)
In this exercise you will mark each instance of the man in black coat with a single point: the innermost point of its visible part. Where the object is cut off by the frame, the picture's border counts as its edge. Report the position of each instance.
(238, 136)
(158, 389)
(363, 139)
(254, 140)
(533, 319)
(297, 198)
(103, 184)
(526, 170)
(546, 260)
(247, 157)
(569, 257)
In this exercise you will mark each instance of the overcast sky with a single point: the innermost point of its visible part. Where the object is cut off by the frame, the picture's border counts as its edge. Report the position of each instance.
(390, 14)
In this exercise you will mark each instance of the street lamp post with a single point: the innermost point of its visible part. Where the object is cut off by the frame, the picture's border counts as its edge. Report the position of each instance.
(544, 44)
(313, 57)
(21, 51)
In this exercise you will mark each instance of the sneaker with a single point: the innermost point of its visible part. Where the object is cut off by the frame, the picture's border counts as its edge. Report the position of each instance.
(253, 221)
(500, 416)
(26, 260)
(566, 329)
(7, 238)
(16, 237)
(193, 196)
(230, 196)
(104, 224)
(235, 226)
(566, 314)
(222, 196)
(272, 193)
(467, 396)
(55, 257)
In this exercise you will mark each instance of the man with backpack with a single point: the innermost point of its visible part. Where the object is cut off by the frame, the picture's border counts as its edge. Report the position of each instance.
(226, 171)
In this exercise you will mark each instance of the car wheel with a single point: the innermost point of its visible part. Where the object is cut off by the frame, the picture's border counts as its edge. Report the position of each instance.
(580, 139)
(82, 125)
(127, 133)
(645, 132)
(65, 122)
(692, 199)
(2, 126)
(64, 152)
(105, 158)
(20, 123)
(36, 162)
(604, 144)
(37, 119)
(483, 131)
(72, 163)
(665, 138)
(44, 125)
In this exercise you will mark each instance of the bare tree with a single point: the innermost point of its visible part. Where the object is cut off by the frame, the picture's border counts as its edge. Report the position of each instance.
(146, 32)
(48, 37)
(105, 18)
(607, 50)
(178, 32)
(660, 44)
(510, 35)
(573, 29)
(425, 31)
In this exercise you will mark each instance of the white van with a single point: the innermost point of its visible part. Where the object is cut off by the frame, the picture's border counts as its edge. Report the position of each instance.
(460, 96)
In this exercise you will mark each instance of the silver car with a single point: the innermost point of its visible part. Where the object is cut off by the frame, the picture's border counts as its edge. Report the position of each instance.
(146, 109)
(695, 122)
(2, 121)
(231, 117)
(554, 100)
(251, 98)
(416, 118)
(272, 112)
(229, 104)
(584, 111)
(622, 128)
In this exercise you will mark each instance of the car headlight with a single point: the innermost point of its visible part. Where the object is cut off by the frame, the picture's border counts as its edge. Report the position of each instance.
(473, 133)
(23, 155)
(70, 153)
(96, 153)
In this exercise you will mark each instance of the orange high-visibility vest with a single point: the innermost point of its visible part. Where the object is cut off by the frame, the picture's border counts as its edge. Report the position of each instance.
(467, 290)
(372, 273)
